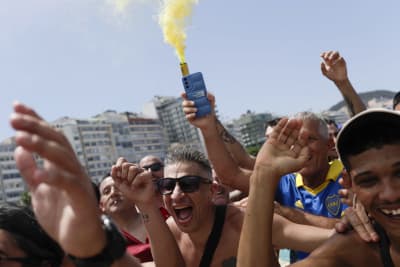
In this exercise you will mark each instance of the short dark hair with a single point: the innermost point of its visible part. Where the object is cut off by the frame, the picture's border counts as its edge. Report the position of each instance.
(369, 129)
(21, 223)
(331, 122)
(186, 153)
(396, 99)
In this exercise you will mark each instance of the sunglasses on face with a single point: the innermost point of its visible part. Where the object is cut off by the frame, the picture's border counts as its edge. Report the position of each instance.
(154, 167)
(188, 184)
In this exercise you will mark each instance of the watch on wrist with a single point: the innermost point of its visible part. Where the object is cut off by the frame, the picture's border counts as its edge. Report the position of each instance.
(114, 249)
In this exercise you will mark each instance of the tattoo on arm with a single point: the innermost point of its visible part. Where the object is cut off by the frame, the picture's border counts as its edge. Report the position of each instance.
(145, 218)
(227, 137)
(350, 106)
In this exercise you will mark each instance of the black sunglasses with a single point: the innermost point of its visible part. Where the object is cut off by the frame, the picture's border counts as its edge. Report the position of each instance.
(154, 167)
(188, 184)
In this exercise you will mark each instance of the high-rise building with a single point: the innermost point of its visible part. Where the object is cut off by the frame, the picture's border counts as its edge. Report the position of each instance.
(93, 143)
(175, 124)
(252, 128)
(11, 183)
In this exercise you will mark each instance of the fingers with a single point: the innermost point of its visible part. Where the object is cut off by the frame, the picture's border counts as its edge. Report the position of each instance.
(23, 109)
(54, 152)
(343, 225)
(330, 56)
(290, 132)
(28, 121)
(124, 172)
(364, 219)
(189, 109)
(361, 225)
(277, 130)
(346, 197)
(211, 98)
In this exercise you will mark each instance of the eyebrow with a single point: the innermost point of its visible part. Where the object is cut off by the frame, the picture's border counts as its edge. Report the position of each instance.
(394, 165)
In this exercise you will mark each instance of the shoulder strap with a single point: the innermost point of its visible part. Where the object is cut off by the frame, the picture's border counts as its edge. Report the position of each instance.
(384, 246)
(214, 236)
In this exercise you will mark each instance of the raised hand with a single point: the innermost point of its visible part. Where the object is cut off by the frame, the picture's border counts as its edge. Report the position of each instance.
(334, 66)
(286, 149)
(62, 196)
(134, 182)
(189, 109)
(355, 215)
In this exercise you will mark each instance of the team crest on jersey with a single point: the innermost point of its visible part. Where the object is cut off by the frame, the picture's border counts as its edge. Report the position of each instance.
(332, 204)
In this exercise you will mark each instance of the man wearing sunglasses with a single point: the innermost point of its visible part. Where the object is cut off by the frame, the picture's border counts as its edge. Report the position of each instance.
(206, 234)
(153, 164)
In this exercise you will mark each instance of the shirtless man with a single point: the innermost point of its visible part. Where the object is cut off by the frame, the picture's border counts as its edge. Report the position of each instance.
(188, 191)
(63, 198)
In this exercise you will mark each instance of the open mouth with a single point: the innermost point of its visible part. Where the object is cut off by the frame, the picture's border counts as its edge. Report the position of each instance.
(184, 214)
(115, 202)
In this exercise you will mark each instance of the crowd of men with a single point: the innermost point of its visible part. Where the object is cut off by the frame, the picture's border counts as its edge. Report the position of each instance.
(330, 195)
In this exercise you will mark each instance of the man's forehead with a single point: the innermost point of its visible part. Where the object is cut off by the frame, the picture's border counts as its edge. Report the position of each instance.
(176, 170)
(106, 182)
(364, 162)
(149, 160)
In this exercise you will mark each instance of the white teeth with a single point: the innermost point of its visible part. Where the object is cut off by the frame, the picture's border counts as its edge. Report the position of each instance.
(391, 212)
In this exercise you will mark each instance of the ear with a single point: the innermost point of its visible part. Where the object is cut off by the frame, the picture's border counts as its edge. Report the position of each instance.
(346, 182)
(215, 187)
(101, 207)
(331, 143)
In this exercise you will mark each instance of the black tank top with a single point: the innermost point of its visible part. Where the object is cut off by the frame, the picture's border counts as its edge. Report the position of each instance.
(384, 246)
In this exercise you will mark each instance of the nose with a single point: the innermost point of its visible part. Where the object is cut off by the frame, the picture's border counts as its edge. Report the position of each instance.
(177, 192)
(390, 192)
(114, 190)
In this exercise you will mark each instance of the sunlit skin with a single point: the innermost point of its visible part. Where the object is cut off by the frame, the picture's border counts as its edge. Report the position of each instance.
(377, 185)
(317, 167)
(221, 196)
(111, 198)
(197, 205)
(9, 248)
(149, 160)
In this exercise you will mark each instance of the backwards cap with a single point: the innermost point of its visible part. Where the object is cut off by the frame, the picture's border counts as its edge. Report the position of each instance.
(372, 125)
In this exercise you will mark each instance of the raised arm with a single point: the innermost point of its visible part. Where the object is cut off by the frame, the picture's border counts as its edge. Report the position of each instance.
(235, 148)
(334, 68)
(137, 184)
(283, 153)
(62, 196)
(224, 165)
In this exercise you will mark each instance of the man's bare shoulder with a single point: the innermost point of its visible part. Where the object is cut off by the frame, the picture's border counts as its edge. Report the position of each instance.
(235, 216)
(344, 250)
(176, 232)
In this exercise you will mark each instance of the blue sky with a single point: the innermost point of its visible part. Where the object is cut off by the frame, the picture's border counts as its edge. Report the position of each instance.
(78, 58)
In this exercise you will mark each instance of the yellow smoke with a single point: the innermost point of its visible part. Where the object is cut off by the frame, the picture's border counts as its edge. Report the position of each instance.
(173, 20)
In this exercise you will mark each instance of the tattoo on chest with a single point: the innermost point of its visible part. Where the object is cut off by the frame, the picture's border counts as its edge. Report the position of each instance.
(231, 262)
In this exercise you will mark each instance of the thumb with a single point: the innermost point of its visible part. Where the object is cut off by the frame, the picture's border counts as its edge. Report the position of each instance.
(323, 68)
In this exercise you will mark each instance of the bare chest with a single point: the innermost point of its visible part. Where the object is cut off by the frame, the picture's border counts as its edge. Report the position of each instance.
(224, 254)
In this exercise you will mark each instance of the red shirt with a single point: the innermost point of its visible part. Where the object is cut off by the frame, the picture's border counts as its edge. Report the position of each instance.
(137, 248)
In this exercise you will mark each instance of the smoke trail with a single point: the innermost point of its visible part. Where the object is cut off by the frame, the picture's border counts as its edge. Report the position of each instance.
(173, 19)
